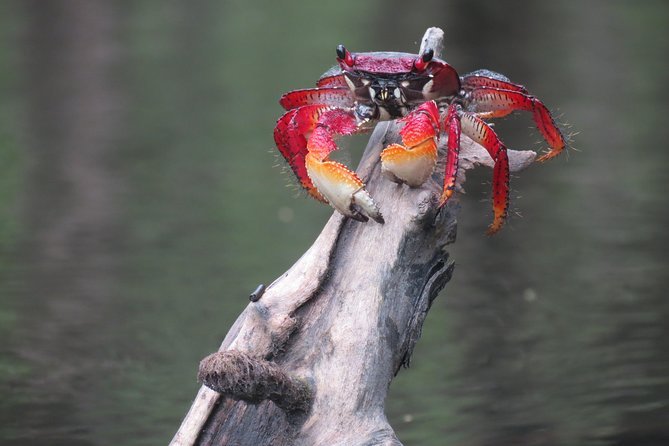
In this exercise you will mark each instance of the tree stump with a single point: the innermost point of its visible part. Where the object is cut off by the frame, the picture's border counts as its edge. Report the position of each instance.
(311, 360)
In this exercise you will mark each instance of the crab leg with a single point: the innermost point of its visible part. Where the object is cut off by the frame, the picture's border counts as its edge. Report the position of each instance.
(340, 187)
(495, 102)
(453, 126)
(334, 96)
(474, 127)
(336, 80)
(413, 161)
(487, 78)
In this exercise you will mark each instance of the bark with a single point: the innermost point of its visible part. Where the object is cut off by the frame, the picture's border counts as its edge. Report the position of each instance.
(310, 361)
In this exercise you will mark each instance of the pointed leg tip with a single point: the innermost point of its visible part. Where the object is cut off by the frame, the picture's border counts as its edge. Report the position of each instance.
(547, 156)
(446, 195)
(494, 227)
(554, 151)
(492, 231)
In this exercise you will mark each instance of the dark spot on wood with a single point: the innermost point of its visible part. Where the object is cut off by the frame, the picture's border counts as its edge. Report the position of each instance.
(241, 376)
(257, 293)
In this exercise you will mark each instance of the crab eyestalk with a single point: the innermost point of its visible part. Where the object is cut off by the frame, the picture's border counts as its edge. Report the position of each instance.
(424, 59)
(344, 55)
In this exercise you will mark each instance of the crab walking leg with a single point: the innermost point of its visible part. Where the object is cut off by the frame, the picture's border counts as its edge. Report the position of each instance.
(453, 127)
(482, 133)
(336, 80)
(487, 78)
(496, 102)
(340, 186)
(333, 96)
(413, 161)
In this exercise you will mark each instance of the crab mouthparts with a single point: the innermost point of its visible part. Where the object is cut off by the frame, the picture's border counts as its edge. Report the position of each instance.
(389, 99)
(385, 93)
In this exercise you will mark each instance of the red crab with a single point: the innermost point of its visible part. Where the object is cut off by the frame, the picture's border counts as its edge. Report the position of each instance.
(429, 97)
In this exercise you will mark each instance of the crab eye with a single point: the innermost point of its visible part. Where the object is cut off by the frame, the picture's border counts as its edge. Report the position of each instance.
(421, 61)
(345, 55)
(341, 52)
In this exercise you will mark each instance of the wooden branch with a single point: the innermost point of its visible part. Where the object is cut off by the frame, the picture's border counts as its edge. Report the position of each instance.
(310, 360)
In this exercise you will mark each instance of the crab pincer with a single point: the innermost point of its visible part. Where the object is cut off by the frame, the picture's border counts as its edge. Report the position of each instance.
(342, 189)
(340, 186)
(413, 161)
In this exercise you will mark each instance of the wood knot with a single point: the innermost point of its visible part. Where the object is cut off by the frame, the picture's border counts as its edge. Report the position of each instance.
(241, 376)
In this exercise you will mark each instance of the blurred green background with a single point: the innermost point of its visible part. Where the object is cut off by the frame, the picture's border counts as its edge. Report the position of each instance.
(141, 200)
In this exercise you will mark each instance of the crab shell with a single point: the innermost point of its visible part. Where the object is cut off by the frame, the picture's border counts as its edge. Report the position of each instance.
(417, 81)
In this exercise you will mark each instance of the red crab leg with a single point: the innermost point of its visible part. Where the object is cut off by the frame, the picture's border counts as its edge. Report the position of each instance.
(334, 96)
(453, 126)
(487, 100)
(482, 133)
(475, 80)
(484, 79)
(413, 161)
(341, 187)
(338, 80)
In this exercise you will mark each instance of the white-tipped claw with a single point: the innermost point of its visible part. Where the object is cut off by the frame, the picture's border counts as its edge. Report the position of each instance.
(343, 190)
(363, 201)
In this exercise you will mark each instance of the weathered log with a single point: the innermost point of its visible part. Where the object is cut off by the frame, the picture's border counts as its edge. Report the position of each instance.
(310, 361)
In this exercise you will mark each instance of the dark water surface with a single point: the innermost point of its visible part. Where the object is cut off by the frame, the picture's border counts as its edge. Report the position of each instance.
(140, 203)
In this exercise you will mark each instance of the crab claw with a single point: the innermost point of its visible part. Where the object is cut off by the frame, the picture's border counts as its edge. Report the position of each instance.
(342, 189)
(412, 166)
(413, 161)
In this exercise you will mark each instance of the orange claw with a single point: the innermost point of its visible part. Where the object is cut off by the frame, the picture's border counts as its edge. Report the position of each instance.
(412, 165)
(413, 161)
(342, 189)
(337, 184)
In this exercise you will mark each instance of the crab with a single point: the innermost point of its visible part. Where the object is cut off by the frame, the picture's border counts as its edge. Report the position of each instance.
(429, 98)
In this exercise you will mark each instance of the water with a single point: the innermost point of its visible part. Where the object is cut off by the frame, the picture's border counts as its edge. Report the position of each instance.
(141, 202)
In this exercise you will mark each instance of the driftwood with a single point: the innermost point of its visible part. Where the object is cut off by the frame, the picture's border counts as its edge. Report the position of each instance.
(310, 360)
